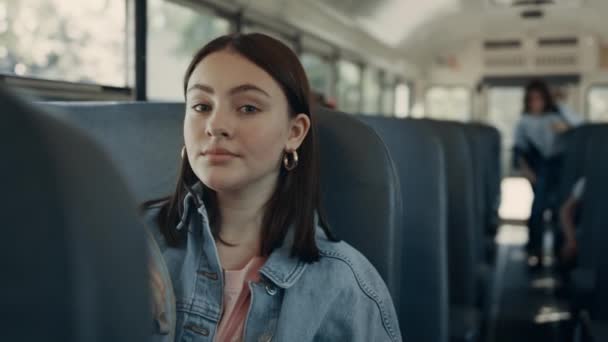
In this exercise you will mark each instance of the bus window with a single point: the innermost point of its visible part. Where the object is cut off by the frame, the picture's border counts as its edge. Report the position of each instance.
(448, 103)
(597, 103)
(504, 109)
(402, 100)
(318, 70)
(348, 87)
(76, 41)
(388, 95)
(371, 91)
(175, 32)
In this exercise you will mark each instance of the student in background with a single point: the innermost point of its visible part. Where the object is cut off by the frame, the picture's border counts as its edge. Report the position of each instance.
(536, 156)
(574, 119)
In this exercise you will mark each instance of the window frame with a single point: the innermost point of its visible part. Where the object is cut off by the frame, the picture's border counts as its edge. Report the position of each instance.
(59, 90)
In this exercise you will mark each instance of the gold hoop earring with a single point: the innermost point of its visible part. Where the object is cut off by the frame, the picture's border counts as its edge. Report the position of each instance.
(290, 163)
(183, 152)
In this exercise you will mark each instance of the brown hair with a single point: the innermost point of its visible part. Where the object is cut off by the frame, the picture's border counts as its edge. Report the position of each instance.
(543, 89)
(296, 199)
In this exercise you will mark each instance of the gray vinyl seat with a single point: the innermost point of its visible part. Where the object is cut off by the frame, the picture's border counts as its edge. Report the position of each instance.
(143, 139)
(599, 330)
(594, 235)
(574, 145)
(484, 142)
(420, 162)
(484, 145)
(582, 155)
(463, 255)
(73, 251)
(490, 144)
(360, 191)
(475, 144)
(590, 278)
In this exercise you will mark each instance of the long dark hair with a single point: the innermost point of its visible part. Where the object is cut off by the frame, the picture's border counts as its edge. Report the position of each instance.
(540, 87)
(296, 198)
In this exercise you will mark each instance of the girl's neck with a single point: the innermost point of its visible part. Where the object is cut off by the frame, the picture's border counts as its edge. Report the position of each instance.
(242, 215)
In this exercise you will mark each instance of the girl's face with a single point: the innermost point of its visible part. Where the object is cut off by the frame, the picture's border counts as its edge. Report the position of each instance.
(237, 124)
(536, 103)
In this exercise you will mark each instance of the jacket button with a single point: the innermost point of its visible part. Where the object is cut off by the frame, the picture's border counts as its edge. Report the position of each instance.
(270, 289)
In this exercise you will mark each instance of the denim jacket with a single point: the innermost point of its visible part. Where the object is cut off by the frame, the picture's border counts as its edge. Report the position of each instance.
(339, 298)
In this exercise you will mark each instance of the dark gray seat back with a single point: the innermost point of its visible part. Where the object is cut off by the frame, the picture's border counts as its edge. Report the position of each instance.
(73, 251)
(420, 161)
(462, 233)
(484, 142)
(360, 191)
(594, 232)
(475, 144)
(144, 140)
(574, 144)
(490, 144)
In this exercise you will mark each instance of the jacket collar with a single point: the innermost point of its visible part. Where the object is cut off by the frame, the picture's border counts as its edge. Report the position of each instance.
(281, 268)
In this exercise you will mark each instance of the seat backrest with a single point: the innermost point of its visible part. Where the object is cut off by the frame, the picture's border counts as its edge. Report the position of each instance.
(490, 143)
(144, 140)
(73, 250)
(474, 137)
(574, 143)
(594, 235)
(420, 162)
(360, 191)
(463, 256)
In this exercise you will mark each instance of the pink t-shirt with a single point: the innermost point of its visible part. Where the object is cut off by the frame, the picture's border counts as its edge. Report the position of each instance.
(237, 298)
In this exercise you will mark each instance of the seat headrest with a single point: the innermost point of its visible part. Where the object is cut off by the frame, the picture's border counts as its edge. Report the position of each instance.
(74, 248)
(144, 140)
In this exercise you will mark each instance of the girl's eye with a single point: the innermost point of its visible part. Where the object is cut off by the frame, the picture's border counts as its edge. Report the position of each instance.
(248, 109)
(201, 107)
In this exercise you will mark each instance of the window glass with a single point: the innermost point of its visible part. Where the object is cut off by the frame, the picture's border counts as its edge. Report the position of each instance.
(175, 33)
(448, 103)
(371, 91)
(348, 87)
(388, 95)
(504, 110)
(402, 100)
(597, 103)
(275, 35)
(66, 40)
(318, 71)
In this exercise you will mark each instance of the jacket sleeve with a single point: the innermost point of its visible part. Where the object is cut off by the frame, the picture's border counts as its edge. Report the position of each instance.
(362, 312)
(520, 144)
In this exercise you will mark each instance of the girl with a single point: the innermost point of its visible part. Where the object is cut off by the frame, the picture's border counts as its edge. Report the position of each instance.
(249, 257)
(537, 157)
